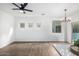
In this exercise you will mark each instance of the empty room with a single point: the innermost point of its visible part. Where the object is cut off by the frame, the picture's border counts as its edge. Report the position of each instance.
(39, 29)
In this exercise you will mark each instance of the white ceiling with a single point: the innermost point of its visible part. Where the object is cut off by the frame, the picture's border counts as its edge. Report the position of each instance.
(49, 9)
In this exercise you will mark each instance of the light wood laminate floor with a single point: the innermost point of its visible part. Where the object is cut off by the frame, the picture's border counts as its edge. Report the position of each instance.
(29, 49)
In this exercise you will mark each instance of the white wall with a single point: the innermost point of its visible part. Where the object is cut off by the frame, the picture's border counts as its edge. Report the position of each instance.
(44, 33)
(6, 29)
(10, 30)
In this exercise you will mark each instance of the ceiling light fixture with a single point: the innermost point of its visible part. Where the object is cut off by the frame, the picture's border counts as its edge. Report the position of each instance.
(66, 18)
(21, 11)
(65, 14)
(66, 21)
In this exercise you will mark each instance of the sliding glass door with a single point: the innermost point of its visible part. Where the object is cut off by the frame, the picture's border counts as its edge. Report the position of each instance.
(75, 31)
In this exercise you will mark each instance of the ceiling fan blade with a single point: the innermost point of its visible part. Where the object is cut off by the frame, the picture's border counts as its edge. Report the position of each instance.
(28, 10)
(16, 5)
(25, 4)
(15, 9)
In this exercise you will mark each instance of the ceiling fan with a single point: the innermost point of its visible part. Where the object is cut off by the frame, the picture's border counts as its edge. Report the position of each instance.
(21, 7)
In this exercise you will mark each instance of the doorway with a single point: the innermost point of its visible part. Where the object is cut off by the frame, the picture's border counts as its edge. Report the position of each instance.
(75, 31)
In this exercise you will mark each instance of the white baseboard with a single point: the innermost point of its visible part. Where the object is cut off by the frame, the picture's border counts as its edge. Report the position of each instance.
(5, 44)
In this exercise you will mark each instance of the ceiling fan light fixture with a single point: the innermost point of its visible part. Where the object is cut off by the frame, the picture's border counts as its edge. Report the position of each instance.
(21, 11)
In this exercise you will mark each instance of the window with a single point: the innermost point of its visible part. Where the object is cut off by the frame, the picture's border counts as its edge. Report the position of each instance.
(75, 27)
(56, 27)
